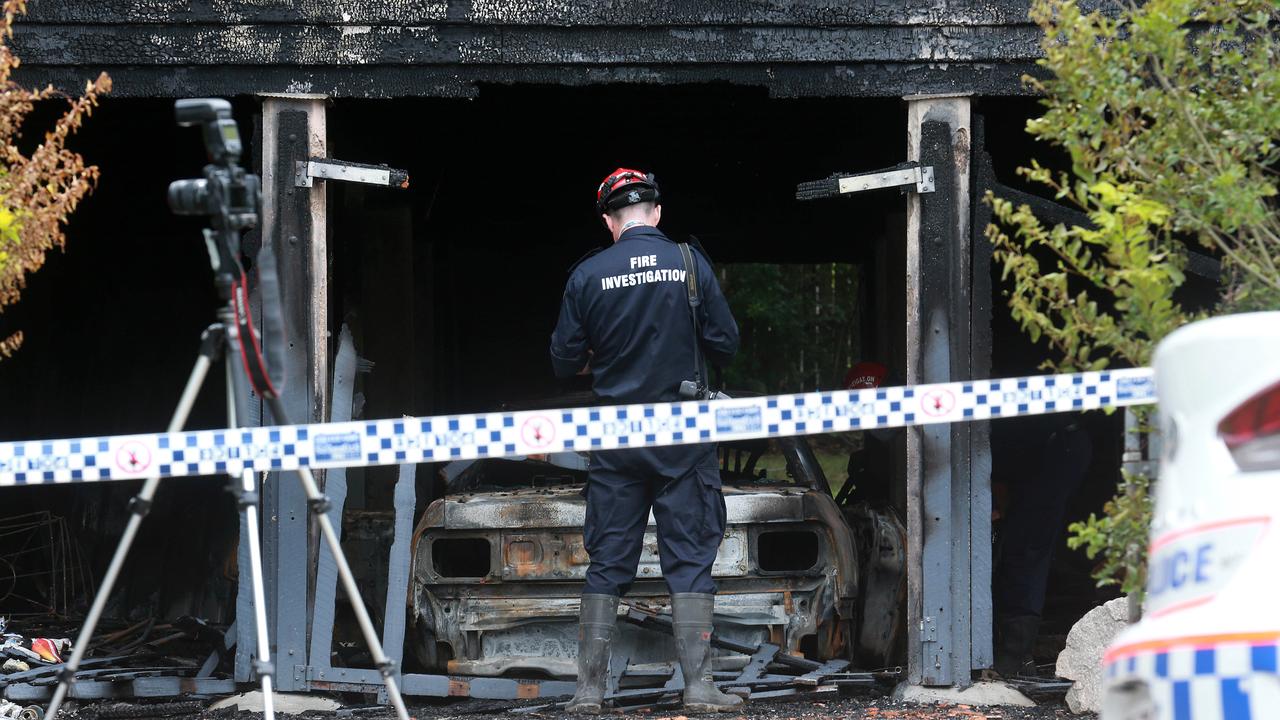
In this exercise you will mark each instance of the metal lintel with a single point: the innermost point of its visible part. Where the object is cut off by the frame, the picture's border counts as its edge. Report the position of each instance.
(305, 171)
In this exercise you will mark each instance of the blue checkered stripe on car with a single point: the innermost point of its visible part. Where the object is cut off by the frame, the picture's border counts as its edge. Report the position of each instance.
(508, 434)
(1230, 681)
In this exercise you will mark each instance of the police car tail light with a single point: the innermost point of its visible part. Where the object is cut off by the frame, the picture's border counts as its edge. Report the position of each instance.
(1252, 431)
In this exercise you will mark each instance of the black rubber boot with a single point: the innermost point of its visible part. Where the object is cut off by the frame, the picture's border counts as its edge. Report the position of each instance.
(691, 618)
(1015, 637)
(595, 633)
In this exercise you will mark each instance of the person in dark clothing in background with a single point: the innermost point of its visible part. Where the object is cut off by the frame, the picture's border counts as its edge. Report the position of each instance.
(626, 318)
(870, 467)
(1046, 460)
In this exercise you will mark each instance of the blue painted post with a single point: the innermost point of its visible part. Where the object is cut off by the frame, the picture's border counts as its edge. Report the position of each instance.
(939, 493)
(294, 222)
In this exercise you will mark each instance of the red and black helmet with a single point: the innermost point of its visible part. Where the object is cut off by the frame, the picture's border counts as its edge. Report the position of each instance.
(625, 187)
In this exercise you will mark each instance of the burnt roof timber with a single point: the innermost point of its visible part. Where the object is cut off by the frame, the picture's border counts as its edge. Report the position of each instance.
(459, 81)
(446, 48)
(811, 13)
(317, 45)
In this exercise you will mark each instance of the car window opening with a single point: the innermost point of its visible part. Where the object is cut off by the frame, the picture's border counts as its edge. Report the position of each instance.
(461, 557)
(787, 550)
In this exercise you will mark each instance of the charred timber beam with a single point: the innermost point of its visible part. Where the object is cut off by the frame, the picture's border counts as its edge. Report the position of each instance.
(462, 81)
(1198, 263)
(317, 45)
(544, 12)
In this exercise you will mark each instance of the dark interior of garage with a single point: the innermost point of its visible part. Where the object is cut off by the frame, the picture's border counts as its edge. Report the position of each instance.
(451, 288)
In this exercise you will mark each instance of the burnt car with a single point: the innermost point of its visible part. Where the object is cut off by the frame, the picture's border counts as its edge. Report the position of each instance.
(499, 565)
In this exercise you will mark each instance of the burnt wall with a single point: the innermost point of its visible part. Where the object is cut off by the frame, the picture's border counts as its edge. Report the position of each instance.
(447, 48)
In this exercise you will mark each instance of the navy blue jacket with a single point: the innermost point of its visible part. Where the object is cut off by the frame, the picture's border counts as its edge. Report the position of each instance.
(628, 305)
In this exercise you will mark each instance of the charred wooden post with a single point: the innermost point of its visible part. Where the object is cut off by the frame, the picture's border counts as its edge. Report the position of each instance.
(948, 532)
(293, 220)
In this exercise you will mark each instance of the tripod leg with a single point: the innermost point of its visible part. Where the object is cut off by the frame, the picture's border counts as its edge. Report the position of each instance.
(319, 506)
(245, 488)
(246, 497)
(138, 508)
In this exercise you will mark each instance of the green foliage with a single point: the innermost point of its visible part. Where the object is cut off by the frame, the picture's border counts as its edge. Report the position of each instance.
(1169, 111)
(1180, 99)
(799, 325)
(1092, 294)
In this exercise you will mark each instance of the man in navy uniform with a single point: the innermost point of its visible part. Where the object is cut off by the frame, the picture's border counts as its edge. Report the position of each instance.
(626, 318)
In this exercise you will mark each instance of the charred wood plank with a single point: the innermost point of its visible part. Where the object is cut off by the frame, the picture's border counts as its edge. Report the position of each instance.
(51, 671)
(315, 45)
(1198, 263)
(617, 670)
(332, 12)
(758, 664)
(663, 623)
(544, 12)
(751, 12)
(459, 81)
(816, 677)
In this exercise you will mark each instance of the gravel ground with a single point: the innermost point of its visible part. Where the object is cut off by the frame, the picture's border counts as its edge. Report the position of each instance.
(852, 708)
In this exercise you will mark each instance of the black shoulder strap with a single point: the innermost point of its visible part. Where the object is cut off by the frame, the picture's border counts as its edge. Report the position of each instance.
(695, 299)
(697, 245)
(584, 258)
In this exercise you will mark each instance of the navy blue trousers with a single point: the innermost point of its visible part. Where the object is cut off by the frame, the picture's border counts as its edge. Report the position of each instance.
(690, 514)
(1034, 527)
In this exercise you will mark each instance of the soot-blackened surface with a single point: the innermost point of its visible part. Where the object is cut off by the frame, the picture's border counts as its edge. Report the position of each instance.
(446, 48)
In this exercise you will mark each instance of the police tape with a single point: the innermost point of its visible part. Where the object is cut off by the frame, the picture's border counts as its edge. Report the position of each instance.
(515, 434)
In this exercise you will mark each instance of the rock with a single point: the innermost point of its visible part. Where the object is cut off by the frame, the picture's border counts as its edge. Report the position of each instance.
(982, 694)
(290, 703)
(1081, 660)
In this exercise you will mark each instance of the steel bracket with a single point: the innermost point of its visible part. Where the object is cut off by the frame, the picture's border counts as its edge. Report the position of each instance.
(911, 176)
(920, 177)
(305, 171)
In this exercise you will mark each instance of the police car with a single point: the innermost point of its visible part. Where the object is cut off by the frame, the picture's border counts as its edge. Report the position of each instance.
(1207, 644)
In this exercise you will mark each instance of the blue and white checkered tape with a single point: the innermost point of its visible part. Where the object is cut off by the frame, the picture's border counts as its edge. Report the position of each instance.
(1223, 681)
(506, 434)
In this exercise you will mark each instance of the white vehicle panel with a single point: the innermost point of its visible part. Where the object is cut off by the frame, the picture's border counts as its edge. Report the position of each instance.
(1208, 643)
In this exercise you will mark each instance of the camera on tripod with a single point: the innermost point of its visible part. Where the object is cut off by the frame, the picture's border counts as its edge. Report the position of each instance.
(230, 198)
(226, 194)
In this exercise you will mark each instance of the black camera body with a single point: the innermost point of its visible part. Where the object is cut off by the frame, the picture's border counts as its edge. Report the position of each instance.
(231, 198)
(218, 189)
(226, 194)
